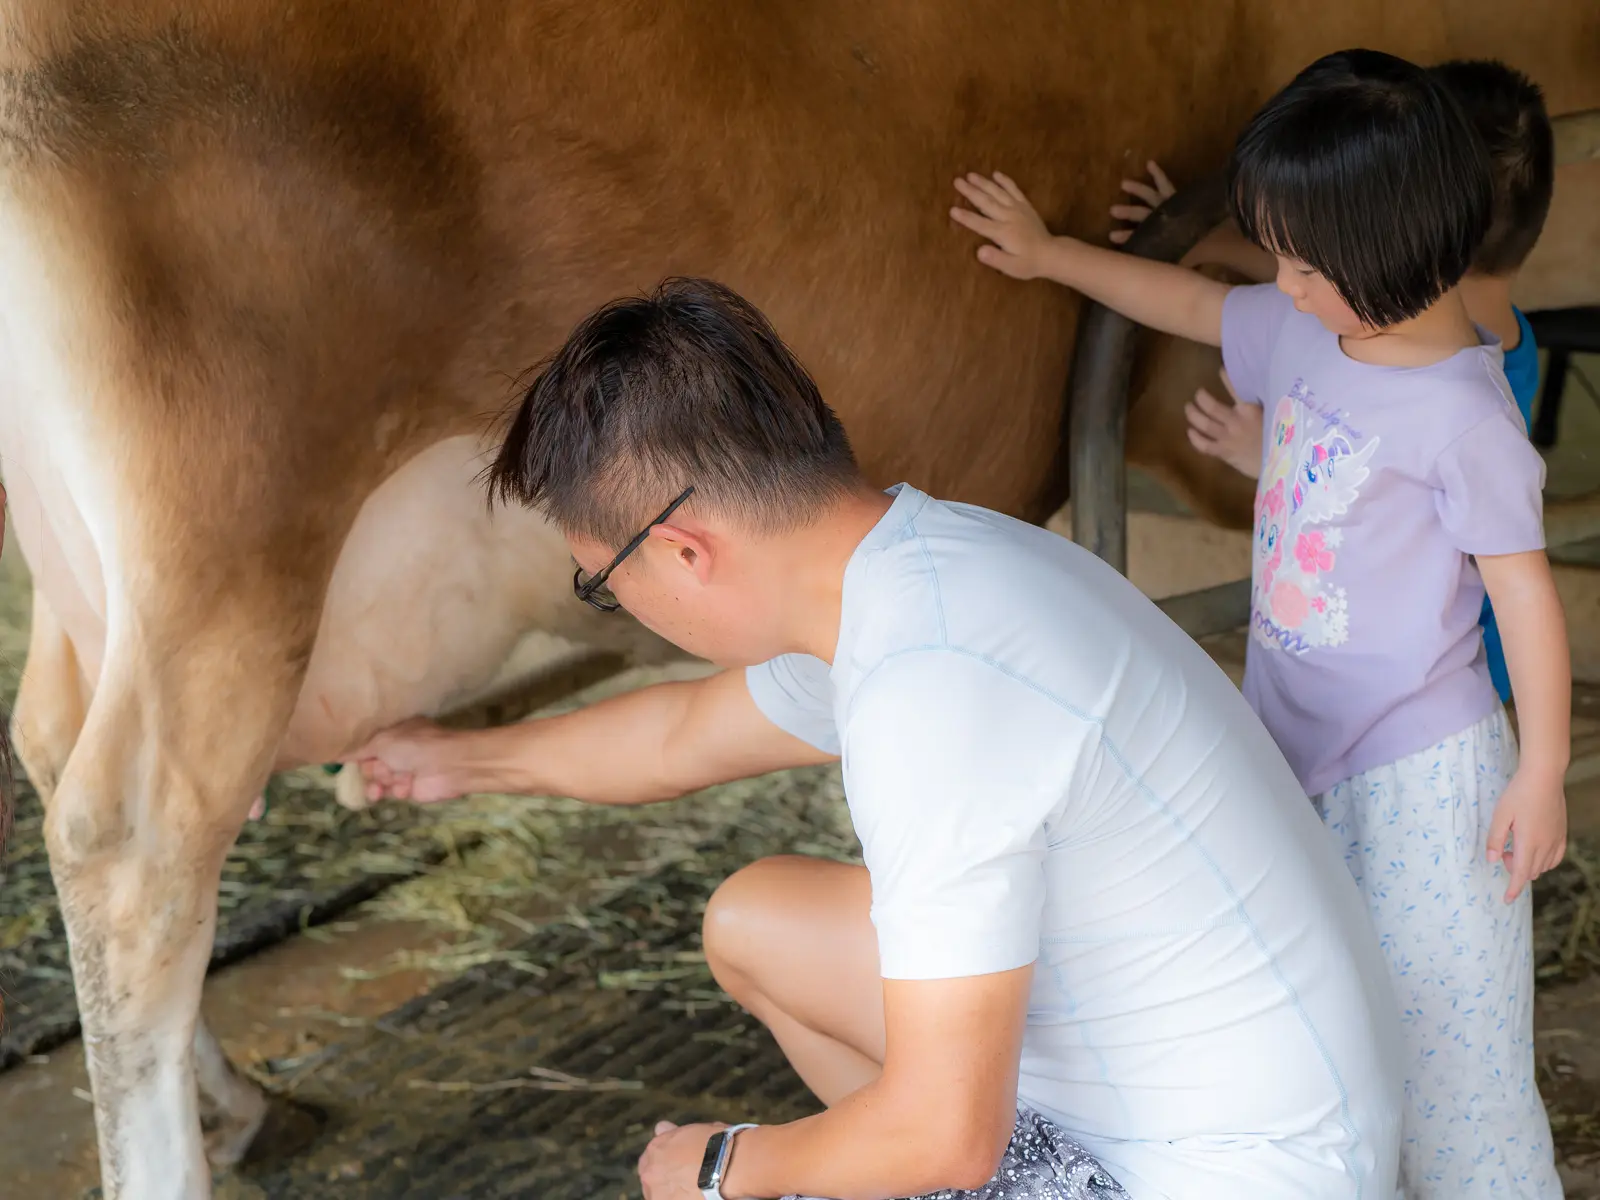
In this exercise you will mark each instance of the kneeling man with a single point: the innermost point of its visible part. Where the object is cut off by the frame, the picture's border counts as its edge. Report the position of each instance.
(1101, 947)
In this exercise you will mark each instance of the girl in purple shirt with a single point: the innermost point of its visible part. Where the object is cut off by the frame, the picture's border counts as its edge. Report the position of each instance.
(1508, 111)
(1396, 486)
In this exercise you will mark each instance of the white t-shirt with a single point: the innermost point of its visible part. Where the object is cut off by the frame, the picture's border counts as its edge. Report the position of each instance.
(1043, 769)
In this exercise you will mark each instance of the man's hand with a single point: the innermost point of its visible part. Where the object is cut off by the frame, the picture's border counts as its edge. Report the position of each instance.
(1231, 432)
(669, 1168)
(1154, 194)
(416, 760)
(1533, 812)
(1006, 218)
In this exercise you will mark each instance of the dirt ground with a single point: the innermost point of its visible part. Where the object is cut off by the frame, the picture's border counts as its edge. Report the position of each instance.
(315, 988)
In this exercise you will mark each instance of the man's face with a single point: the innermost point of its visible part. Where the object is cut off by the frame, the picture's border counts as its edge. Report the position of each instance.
(685, 589)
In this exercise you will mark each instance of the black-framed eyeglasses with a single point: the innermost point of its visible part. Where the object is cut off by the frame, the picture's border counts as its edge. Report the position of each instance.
(593, 590)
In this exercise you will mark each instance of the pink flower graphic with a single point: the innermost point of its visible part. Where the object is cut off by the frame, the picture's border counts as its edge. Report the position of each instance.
(1312, 553)
(1320, 604)
(1289, 605)
(1273, 500)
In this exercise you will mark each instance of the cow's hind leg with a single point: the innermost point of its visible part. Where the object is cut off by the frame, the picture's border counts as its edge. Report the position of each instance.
(232, 1108)
(50, 700)
(181, 733)
(48, 719)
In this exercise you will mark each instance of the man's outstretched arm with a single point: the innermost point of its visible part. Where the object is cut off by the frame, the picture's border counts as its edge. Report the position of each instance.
(654, 744)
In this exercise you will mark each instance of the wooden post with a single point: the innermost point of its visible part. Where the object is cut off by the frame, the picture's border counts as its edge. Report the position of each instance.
(1577, 136)
(1102, 368)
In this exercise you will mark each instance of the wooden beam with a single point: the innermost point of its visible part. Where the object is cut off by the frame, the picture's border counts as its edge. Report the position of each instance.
(1577, 136)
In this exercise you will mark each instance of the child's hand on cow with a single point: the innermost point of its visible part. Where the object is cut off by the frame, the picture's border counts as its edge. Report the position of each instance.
(1532, 812)
(1231, 431)
(1154, 194)
(1004, 216)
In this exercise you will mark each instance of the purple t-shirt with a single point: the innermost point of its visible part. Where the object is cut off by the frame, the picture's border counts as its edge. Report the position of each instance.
(1376, 485)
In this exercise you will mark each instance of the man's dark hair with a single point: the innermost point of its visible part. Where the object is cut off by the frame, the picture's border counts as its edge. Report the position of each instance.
(689, 385)
(1366, 169)
(1507, 109)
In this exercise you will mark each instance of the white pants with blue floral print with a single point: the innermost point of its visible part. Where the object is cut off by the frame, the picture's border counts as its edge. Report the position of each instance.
(1414, 834)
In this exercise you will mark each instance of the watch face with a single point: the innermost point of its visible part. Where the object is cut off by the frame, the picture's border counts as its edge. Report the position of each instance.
(708, 1164)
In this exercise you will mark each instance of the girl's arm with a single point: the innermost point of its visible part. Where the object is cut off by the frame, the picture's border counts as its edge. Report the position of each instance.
(1160, 295)
(1533, 808)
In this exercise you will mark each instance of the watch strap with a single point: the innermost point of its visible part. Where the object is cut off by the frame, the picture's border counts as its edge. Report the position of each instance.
(724, 1157)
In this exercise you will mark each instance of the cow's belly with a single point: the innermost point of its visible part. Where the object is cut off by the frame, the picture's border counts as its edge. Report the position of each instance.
(430, 596)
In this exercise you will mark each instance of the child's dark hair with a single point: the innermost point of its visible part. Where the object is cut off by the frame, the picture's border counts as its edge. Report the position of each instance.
(1366, 169)
(1507, 109)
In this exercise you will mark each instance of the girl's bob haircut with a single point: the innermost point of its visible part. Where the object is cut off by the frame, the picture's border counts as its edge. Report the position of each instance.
(1366, 169)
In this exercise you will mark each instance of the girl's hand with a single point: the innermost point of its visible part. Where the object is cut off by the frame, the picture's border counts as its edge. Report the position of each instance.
(1533, 812)
(1006, 218)
(1231, 432)
(1153, 197)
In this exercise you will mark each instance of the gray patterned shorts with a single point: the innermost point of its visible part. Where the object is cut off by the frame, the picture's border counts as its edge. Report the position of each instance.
(1041, 1163)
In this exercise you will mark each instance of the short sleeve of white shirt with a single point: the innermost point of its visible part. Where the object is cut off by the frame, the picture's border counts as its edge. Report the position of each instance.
(954, 769)
(795, 693)
(1252, 319)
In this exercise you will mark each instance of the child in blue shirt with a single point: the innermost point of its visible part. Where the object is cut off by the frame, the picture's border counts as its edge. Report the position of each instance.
(1507, 109)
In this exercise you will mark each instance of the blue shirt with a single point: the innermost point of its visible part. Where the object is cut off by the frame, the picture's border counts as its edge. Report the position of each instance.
(1522, 373)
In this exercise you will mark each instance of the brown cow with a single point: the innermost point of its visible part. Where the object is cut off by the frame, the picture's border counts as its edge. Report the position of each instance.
(265, 268)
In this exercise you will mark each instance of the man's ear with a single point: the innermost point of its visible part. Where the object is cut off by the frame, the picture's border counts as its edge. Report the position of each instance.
(689, 550)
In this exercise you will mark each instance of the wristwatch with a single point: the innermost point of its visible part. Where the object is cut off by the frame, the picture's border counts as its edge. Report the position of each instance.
(714, 1166)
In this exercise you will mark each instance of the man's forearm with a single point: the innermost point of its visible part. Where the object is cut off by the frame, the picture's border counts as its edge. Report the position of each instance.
(872, 1145)
(1170, 298)
(653, 744)
(612, 752)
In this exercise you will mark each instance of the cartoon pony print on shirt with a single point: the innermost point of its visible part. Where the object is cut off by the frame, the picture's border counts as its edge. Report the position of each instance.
(1311, 477)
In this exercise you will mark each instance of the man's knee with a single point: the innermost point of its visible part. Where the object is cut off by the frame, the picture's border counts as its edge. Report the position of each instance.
(738, 924)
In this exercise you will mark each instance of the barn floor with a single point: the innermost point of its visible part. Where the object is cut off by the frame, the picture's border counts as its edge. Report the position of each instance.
(524, 995)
